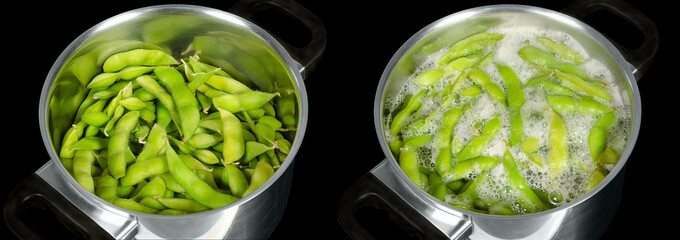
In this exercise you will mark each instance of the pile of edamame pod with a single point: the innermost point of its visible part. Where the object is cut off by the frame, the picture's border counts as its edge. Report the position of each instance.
(165, 136)
(508, 121)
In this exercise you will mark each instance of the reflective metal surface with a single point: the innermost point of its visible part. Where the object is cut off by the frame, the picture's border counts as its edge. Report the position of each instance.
(244, 50)
(591, 213)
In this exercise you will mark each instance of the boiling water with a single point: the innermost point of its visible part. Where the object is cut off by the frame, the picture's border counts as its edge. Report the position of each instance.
(535, 115)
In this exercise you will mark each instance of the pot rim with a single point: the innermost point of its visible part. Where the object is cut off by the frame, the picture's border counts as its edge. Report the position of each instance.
(626, 69)
(293, 67)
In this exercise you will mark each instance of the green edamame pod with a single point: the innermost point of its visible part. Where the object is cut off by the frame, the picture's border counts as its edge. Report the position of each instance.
(597, 137)
(469, 45)
(132, 72)
(89, 143)
(578, 84)
(194, 186)
(155, 187)
(82, 169)
(529, 201)
(140, 170)
(132, 103)
(558, 152)
(154, 143)
(183, 97)
(263, 171)
(471, 167)
(103, 80)
(243, 101)
(106, 188)
(205, 140)
(560, 49)
(515, 95)
(72, 135)
(167, 106)
(146, 57)
(475, 146)
(540, 57)
(118, 143)
(235, 179)
(412, 105)
(483, 80)
(132, 205)
(565, 105)
(429, 77)
(408, 161)
(233, 147)
(182, 204)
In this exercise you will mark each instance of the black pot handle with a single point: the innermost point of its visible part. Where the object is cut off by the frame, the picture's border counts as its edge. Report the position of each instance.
(642, 57)
(34, 194)
(308, 55)
(369, 193)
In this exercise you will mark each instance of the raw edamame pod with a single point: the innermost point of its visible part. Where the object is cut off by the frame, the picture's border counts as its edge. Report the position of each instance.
(118, 143)
(469, 45)
(147, 57)
(475, 146)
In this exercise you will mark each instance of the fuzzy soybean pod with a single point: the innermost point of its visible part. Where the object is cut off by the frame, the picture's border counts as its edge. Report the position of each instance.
(515, 95)
(132, 205)
(480, 78)
(578, 84)
(167, 106)
(186, 103)
(412, 105)
(243, 101)
(560, 49)
(529, 201)
(558, 152)
(469, 45)
(193, 184)
(565, 105)
(89, 143)
(537, 56)
(103, 80)
(155, 187)
(72, 135)
(233, 145)
(182, 204)
(227, 84)
(141, 170)
(475, 146)
(118, 143)
(408, 161)
(106, 188)
(154, 143)
(205, 140)
(443, 138)
(463, 63)
(471, 167)
(263, 172)
(429, 77)
(82, 168)
(145, 57)
(233, 177)
(597, 137)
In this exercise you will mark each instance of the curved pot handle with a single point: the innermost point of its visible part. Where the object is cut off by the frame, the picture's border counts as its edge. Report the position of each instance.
(34, 194)
(308, 55)
(369, 193)
(642, 57)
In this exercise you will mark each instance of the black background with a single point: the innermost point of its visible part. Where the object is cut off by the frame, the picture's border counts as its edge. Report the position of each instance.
(340, 143)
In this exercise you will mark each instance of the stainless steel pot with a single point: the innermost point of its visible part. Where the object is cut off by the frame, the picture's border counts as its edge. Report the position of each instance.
(386, 187)
(246, 51)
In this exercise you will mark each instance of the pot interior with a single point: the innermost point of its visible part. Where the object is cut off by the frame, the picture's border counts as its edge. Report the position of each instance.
(412, 58)
(222, 40)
